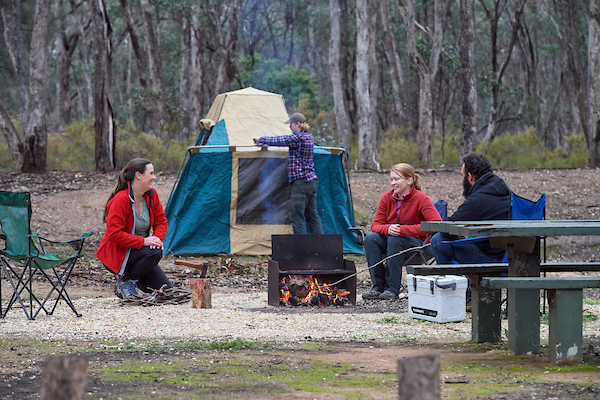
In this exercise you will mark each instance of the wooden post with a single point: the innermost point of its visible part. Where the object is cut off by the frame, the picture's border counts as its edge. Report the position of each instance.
(64, 377)
(419, 377)
(201, 293)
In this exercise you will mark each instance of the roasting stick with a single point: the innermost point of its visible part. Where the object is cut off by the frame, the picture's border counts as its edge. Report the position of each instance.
(376, 264)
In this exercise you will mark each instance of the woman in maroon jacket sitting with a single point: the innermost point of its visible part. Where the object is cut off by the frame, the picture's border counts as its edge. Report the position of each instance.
(397, 227)
(135, 228)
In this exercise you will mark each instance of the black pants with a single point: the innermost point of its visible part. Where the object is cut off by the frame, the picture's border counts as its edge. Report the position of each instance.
(143, 266)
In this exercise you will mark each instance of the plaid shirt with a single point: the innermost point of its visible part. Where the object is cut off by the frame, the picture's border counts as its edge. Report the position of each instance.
(300, 158)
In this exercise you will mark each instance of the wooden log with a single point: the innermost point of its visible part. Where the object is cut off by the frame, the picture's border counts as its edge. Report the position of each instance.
(202, 266)
(201, 293)
(64, 377)
(419, 377)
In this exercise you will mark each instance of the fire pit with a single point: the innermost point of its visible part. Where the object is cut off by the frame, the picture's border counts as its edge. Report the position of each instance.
(309, 270)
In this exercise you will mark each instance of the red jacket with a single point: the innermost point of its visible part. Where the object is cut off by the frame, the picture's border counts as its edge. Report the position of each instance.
(118, 238)
(416, 207)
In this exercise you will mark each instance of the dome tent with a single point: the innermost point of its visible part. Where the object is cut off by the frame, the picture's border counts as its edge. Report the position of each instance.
(231, 196)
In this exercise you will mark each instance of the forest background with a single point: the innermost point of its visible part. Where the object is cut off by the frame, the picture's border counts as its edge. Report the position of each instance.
(89, 85)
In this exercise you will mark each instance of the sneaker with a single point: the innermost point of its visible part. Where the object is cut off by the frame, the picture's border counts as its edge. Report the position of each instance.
(387, 295)
(372, 294)
(125, 288)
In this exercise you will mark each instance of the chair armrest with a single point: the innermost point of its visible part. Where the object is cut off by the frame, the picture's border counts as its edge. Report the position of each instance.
(465, 240)
(360, 235)
(84, 236)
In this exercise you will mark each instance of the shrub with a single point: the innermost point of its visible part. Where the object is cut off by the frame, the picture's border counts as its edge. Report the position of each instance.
(165, 157)
(73, 149)
(515, 151)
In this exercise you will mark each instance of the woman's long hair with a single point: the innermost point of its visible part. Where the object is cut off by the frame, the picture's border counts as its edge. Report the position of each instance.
(126, 175)
(407, 171)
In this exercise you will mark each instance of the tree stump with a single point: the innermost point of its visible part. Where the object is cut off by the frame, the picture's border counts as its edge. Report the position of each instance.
(64, 377)
(419, 377)
(201, 293)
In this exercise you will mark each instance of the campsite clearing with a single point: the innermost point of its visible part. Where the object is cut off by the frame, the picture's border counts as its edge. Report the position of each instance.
(67, 204)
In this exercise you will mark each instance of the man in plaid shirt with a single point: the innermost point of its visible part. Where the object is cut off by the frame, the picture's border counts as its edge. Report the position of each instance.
(301, 173)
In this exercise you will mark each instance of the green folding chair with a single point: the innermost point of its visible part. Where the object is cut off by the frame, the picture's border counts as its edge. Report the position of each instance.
(24, 258)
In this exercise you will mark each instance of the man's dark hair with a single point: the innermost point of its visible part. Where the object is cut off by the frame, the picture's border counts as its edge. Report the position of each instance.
(477, 165)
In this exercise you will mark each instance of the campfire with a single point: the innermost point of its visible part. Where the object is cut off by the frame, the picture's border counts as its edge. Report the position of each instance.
(310, 270)
(306, 290)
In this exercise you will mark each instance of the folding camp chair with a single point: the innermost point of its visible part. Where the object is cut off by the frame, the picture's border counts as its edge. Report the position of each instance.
(415, 256)
(24, 257)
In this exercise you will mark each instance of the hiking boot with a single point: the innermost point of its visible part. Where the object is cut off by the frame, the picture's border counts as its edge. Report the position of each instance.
(387, 295)
(372, 294)
(125, 288)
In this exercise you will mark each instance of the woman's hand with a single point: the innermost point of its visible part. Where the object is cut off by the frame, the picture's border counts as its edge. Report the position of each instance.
(153, 242)
(394, 230)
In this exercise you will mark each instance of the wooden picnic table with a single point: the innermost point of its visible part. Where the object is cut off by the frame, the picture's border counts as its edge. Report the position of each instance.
(522, 241)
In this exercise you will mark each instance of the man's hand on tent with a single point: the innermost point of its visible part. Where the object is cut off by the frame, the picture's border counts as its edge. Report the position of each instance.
(256, 141)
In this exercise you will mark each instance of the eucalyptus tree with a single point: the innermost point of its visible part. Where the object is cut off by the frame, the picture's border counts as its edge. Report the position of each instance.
(593, 134)
(468, 137)
(29, 154)
(426, 70)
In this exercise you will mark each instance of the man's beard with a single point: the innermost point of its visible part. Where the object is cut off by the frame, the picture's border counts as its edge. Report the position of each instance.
(466, 186)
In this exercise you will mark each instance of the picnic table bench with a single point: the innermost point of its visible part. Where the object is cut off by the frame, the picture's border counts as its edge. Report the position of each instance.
(485, 301)
(522, 241)
(565, 320)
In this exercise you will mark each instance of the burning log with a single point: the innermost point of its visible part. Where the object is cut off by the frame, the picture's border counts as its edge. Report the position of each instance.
(305, 290)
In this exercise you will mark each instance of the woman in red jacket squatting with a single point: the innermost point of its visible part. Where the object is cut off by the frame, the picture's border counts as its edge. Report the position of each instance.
(396, 227)
(128, 248)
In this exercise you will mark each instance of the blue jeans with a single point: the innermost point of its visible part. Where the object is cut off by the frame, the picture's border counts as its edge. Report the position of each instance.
(461, 253)
(304, 207)
(378, 247)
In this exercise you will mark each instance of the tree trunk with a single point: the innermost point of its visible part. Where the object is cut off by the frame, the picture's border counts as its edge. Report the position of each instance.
(11, 16)
(312, 47)
(468, 138)
(197, 84)
(84, 55)
(184, 83)
(15, 145)
(498, 71)
(226, 71)
(63, 65)
(341, 116)
(64, 377)
(374, 70)
(36, 134)
(105, 128)
(593, 134)
(367, 141)
(135, 43)
(427, 73)
(393, 60)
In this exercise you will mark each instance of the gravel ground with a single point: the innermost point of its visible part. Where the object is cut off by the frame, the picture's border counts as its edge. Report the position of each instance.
(245, 315)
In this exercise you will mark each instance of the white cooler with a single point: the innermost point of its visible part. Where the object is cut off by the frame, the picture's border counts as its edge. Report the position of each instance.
(437, 298)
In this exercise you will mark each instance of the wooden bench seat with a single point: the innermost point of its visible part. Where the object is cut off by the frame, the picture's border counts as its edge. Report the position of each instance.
(486, 302)
(565, 299)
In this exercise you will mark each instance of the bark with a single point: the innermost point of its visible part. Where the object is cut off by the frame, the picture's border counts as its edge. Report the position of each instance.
(84, 55)
(312, 47)
(392, 58)
(493, 17)
(367, 141)
(374, 70)
(341, 116)
(36, 134)
(184, 83)
(15, 145)
(468, 138)
(64, 377)
(65, 44)
(11, 16)
(228, 46)
(154, 54)
(105, 128)
(427, 73)
(135, 43)
(197, 84)
(593, 134)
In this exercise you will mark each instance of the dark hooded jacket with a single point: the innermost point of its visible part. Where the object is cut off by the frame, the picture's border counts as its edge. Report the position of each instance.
(489, 198)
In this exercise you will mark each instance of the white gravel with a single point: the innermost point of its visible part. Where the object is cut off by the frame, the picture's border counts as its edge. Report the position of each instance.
(243, 315)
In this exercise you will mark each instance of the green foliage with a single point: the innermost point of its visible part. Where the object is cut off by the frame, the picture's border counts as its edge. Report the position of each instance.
(165, 157)
(527, 151)
(395, 148)
(6, 162)
(510, 151)
(72, 150)
(293, 83)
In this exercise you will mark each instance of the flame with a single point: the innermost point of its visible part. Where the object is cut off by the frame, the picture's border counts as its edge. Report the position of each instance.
(318, 294)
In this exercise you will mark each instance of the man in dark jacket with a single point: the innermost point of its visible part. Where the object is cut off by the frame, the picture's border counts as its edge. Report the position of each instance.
(486, 197)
